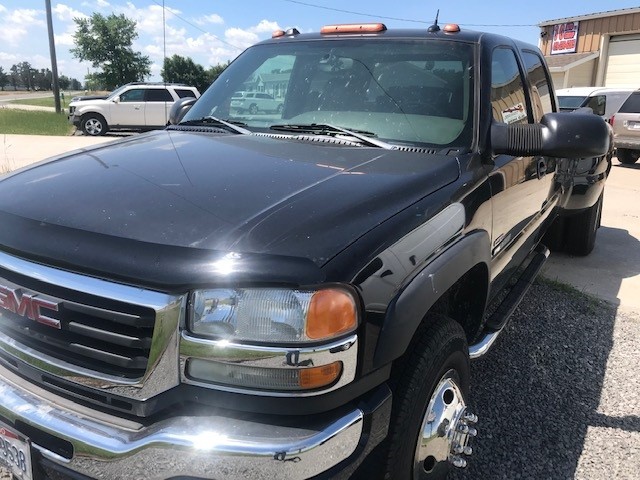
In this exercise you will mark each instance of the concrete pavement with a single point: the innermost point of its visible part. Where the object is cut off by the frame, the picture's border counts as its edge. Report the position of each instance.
(612, 270)
(17, 151)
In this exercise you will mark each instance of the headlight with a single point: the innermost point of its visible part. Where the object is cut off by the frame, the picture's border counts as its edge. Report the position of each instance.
(272, 315)
(270, 341)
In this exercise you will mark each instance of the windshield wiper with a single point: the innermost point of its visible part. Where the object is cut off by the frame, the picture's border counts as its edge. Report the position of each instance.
(218, 122)
(326, 129)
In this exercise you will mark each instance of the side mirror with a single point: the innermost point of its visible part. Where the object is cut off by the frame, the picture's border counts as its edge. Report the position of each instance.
(179, 109)
(565, 134)
(116, 100)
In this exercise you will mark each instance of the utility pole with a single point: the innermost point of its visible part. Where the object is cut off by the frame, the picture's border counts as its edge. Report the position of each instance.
(54, 62)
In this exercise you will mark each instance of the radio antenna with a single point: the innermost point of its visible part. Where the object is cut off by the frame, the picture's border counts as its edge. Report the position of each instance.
(434, 28)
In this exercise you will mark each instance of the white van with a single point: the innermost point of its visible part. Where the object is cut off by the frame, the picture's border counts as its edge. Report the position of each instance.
(604, 101)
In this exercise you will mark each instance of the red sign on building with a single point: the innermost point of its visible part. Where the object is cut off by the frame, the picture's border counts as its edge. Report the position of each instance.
(565, 38)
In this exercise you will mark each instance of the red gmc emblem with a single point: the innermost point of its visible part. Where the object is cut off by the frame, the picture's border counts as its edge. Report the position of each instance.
(28, 305)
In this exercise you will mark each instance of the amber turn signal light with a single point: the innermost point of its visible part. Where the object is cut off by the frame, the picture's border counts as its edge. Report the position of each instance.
(317, 377)
(331, 313)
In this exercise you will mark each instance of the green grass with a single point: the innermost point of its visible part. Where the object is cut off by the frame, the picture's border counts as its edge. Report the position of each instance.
(33, 123)
(571, 291)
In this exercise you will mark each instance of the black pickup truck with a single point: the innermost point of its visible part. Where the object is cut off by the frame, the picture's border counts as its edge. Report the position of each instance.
(294, 294)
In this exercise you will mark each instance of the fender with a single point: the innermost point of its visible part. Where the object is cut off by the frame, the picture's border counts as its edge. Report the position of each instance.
(407, 310)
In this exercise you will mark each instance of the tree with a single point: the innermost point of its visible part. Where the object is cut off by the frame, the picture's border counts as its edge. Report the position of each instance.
(177, 69)
(15, 76)
(26, 74)
(64, 82)
(4, 78)
(215, 71)
(106, 43)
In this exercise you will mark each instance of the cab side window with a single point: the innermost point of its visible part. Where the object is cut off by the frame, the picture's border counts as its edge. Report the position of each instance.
(134, 95)
(541, 93)
(508, 100)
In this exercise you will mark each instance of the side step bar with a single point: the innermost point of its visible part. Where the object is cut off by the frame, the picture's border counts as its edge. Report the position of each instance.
(499, 318)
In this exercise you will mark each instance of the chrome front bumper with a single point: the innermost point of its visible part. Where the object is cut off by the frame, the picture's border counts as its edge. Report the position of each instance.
(203, 446)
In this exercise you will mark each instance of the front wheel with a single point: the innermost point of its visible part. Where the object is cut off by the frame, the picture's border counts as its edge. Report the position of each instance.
(94, 125)
(253, 109)
(431, 423)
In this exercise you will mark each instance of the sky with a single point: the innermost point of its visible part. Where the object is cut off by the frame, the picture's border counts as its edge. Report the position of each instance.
(214, 31)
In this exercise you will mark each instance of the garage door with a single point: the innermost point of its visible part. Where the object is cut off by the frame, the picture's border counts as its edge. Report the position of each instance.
(623, 67)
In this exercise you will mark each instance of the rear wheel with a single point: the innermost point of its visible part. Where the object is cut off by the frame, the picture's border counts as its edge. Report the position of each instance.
(626, 156)
(94, 125)
(431, 423)
(253, 109)
(581, 229)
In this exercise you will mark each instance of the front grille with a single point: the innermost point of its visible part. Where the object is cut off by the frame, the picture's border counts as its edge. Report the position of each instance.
(97, 334)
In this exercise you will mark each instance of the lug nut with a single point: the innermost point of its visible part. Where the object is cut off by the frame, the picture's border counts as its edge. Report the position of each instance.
(472, 432)
(471, 418)
(467, 450)
(463, 428)
(457, 449)
(458, 462)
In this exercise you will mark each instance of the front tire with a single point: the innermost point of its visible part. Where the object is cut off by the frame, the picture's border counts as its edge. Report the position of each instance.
(94, 125)
(626, 156)
(430, 422)
(253, 109)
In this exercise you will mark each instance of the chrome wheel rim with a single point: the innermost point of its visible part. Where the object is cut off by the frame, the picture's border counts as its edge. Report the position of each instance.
(93, 126)
(446, 428)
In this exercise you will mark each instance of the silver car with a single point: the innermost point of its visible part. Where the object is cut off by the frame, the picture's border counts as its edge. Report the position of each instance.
(626, 130)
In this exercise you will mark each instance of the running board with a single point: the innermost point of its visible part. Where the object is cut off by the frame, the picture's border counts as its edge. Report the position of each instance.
(499, 318)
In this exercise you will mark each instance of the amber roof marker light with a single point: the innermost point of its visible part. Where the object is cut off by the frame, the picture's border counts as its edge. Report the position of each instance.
(353, 28)
(281, 33)
(451, 28)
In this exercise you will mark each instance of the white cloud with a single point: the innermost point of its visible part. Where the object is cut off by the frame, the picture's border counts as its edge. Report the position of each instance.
(266, 26)
(2, 8)
(240, 38)
(66, 13)
(213, 18)
(64, 39)
(26, 17)
(99, 4)
(12, 34)
(8, 58)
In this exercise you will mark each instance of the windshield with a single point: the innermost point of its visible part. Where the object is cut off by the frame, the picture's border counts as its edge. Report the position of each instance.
(415, 92)
(116, 92)
(571, 103)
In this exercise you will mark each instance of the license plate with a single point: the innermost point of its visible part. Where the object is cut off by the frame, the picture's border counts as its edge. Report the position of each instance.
(15, 453)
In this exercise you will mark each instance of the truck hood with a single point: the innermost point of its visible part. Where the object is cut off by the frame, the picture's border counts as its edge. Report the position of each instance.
(227, 193)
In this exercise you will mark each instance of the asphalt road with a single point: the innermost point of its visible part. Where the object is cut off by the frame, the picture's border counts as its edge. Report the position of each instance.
(559, 395)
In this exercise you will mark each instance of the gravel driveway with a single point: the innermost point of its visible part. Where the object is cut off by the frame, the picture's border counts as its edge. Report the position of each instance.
(559, 394)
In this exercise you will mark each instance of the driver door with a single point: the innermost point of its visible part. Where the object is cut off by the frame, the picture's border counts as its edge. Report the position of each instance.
(129, 109)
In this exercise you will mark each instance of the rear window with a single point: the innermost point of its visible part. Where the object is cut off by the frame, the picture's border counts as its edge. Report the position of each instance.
(632, 105)
(571, 103)
(182, 93)
(158, 95)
